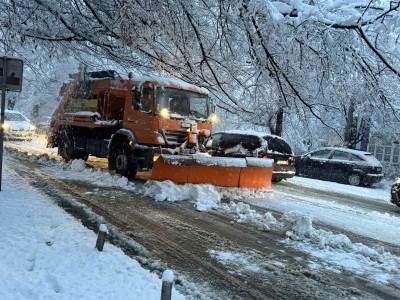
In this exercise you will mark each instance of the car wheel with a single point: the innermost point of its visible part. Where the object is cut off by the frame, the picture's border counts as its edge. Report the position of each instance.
(354, 179)
(124, 162)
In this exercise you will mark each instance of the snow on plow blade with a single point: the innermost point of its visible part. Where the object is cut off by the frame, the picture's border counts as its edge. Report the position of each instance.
(248, 172)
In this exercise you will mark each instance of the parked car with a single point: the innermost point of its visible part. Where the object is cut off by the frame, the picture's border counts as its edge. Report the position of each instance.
(340, 164)
(17, 127)
(237, 143)
(395, 192)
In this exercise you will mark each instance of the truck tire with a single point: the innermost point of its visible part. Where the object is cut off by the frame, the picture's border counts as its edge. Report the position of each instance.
(123, 161)
(66, 148)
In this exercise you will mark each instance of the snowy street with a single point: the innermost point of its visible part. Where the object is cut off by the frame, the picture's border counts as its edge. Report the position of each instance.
(200, 149)
(287, 236)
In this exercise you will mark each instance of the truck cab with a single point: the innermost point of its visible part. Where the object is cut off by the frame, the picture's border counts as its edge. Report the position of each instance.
(127, 121)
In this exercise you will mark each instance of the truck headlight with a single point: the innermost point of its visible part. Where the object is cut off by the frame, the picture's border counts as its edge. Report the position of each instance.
(5, 127)
(213, 118)
(164, 113)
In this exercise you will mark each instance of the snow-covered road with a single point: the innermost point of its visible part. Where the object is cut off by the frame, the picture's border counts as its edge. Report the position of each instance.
(356, 225)
(376, 225)
(360, 210)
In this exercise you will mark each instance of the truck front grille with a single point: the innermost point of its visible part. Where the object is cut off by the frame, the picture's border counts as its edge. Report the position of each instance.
(175, 138)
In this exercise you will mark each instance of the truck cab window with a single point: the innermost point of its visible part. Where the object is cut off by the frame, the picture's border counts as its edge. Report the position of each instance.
(141, 99)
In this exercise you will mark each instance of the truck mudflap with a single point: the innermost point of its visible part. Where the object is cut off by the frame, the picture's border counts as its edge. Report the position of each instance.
(248, 172)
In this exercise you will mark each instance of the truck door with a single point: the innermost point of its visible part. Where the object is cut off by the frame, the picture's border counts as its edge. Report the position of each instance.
(139, 116)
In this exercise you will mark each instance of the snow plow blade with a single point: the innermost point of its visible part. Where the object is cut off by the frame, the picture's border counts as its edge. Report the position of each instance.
(248, 172)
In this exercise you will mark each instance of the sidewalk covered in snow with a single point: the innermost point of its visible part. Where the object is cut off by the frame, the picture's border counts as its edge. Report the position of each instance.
(47, 254)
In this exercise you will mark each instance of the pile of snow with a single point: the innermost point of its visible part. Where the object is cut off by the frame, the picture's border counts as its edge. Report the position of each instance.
(237, 261)
(205, 196)
(359, 220)
(47, 254)
(77, 170)
(244, 214)
(78, 165)
(337, 251)
(239, 194)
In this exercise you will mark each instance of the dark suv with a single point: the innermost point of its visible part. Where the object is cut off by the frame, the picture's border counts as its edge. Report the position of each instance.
(340, 164)
(237, 143)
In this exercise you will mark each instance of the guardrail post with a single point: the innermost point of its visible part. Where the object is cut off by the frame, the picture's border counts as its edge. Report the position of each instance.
(101, 237)
(167, 282)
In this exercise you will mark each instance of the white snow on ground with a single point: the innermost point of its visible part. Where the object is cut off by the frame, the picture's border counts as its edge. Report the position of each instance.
(369, 223)
(205, 196)
(78, 171)
(243, 213)
(379, 192)
(47, 254)
(238, 261)
(35, 146)
(338, 252)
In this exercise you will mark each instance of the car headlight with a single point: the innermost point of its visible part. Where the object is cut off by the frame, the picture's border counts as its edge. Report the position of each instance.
(164, 113)
(32, 127)
(6, 127)
(213, 118)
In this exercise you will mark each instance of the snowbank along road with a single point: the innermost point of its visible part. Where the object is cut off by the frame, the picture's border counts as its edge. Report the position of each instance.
(213, 237)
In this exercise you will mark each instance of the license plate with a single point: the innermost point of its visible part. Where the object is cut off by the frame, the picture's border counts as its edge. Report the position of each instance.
(282, 162)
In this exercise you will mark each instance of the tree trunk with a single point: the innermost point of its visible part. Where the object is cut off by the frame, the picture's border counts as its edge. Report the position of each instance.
(351, 130)
(279, 122)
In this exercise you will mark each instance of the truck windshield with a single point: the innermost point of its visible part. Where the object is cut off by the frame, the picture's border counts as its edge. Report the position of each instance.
(183, 103)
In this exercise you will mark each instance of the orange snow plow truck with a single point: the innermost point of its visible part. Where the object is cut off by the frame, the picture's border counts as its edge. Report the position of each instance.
(150, 124)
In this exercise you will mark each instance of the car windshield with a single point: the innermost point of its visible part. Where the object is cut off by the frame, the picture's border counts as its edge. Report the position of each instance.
(183, 103)
(10, 116)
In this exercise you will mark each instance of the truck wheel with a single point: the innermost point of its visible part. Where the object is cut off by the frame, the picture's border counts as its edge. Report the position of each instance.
(123, 162)
(66, 148)
(354, 179)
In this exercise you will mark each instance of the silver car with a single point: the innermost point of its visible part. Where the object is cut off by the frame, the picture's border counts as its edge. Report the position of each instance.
(17, 127)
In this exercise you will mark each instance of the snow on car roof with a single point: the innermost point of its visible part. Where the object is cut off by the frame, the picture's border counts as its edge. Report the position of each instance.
(353, 151)
(250, 132)
(10, 111)
(367, 156)
(245, 132)
(13, 111)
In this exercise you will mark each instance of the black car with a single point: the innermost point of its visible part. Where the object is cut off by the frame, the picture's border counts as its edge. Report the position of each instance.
(395, 193)
(237, 143)
(340, 164)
